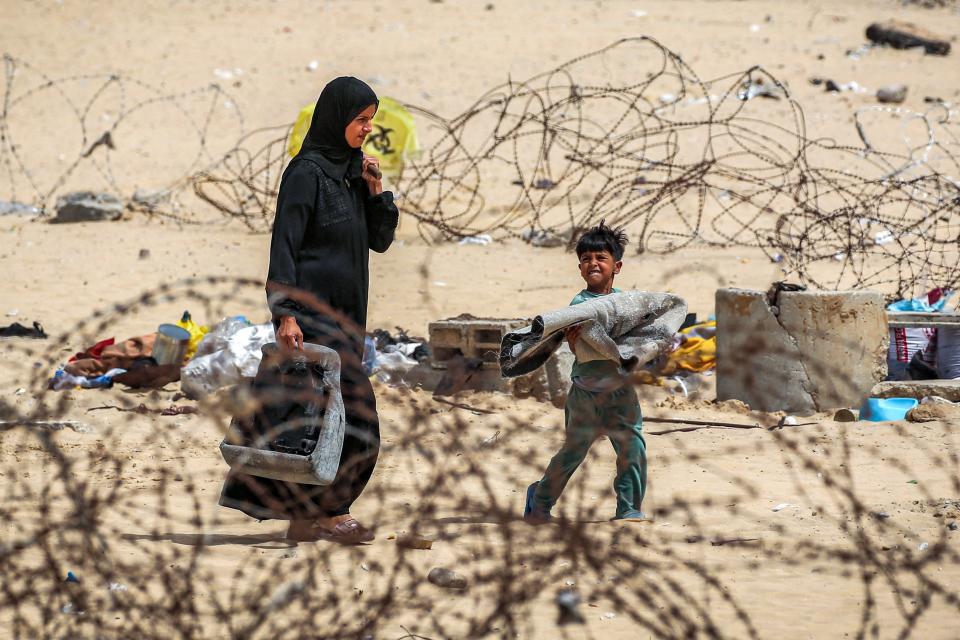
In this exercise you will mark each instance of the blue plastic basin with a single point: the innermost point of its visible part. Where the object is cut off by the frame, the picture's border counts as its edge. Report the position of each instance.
(886, 409)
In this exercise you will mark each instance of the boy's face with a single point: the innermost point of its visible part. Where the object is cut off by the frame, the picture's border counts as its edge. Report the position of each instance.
(597, 269)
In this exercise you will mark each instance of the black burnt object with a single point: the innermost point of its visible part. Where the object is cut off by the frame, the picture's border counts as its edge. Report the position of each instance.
(17, 330)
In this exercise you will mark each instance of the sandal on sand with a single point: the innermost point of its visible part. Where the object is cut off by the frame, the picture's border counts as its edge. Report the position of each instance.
(347, 532)
(531, 513)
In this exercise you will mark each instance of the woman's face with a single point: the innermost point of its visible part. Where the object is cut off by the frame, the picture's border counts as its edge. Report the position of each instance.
(359, 127)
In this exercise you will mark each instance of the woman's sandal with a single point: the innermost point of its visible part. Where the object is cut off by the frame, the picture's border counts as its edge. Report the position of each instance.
(347, 532)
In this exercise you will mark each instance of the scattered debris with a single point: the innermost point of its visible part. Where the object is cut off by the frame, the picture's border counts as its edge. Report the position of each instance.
(780, 507)
(906, 35)
(892, 94)
(719, 542)
(859, 52)
(52, 425)
(88, 206)
(414, 541)
(17, 330)
(482, 240)
(761, 87)
(845, 415)
(923, 546)
(952, 526)
(446, 578)
(568, 602)
(486, 442)
(150, 200)
(17, 209)
(144, 254)
(544, 184)
(313, 65)
(543, 239)
(172, 410)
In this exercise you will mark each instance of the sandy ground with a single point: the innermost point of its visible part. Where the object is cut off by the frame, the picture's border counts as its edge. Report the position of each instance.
(803, 578)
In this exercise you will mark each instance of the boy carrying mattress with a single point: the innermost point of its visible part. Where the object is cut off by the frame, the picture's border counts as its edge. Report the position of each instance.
(602, 401)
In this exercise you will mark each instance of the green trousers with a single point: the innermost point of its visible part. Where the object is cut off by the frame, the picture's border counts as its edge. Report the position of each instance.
(589, 415)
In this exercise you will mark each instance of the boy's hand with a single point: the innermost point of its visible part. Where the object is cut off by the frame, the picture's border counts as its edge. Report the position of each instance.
(572, 334)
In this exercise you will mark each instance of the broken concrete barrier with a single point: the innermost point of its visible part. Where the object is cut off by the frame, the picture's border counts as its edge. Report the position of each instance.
(814, 351)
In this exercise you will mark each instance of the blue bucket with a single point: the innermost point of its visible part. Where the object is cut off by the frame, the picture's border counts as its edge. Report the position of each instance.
(886, 409)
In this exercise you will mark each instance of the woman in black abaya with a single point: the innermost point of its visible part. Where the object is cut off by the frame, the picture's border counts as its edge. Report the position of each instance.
(331, 210)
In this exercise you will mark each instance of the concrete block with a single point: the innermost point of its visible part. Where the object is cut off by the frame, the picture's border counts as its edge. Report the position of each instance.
(919, 389)
(470, 337)
(816, 351)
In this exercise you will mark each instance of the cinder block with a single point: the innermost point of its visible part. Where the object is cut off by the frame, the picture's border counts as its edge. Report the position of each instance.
(816, 351)
(469, 336)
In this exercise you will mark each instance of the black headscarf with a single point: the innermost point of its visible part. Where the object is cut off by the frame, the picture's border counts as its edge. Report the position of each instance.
(339, 103)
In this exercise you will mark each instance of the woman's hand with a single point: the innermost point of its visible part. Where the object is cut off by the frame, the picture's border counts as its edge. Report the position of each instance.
(289, 334)
(371, 174)
(573, 334)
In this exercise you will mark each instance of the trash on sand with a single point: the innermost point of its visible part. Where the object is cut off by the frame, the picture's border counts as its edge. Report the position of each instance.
(845, 415)
(780, 507)
(883, 237)
(761, 87)
(923, 546)
(87, 206)
(228, 365)
(17, 330)
(390, 367)
(906, 35)
(52, 425)
(313, 65)
(62, 380)
(17, 209)
(568, 603)
(482, 240)
(414, 541)
(486, 442)
(543, 239)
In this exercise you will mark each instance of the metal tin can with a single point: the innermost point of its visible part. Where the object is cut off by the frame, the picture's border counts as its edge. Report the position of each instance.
(171, 344)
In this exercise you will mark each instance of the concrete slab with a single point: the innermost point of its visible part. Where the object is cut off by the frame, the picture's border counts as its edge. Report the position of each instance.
(948, 389)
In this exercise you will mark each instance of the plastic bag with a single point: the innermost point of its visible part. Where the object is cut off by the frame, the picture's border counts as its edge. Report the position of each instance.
(219, 335)
(239, 359)
(394, 136)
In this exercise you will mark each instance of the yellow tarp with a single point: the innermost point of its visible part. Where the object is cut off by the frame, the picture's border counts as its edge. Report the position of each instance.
(696, 353)
(394, 136)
